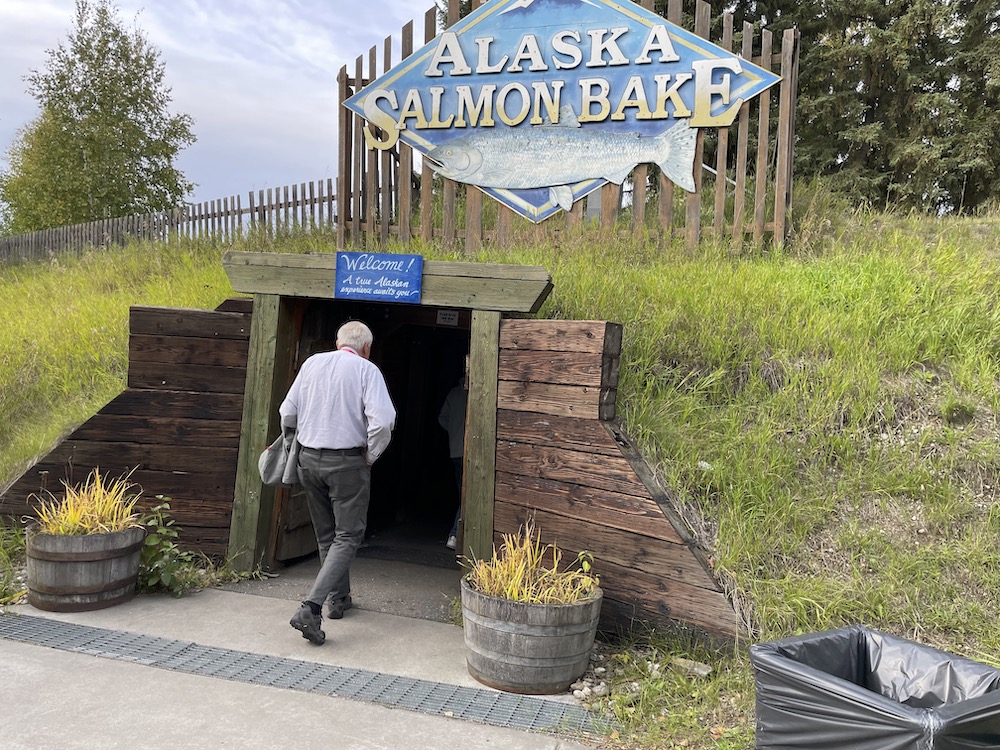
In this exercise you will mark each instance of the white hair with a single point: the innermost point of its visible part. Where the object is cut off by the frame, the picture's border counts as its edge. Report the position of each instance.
(354, 334)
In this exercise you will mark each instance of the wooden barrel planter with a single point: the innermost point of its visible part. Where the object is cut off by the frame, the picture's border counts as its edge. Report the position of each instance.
(533, 649)
(81, 573)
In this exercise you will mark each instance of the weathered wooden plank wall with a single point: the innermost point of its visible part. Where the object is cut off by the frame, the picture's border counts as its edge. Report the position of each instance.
(459, 216)
(559, 455)
(562, 458)
(177, 422)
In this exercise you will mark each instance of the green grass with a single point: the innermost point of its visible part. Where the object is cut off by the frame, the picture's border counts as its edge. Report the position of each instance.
(11, 556)
(826, 415)
(657, 700)
(64, 345)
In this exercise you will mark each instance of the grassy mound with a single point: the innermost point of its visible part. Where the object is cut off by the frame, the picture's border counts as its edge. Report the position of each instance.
(825, 415)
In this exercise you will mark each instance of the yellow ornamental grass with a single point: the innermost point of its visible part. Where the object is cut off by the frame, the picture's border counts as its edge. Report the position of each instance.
(98, 506)
(523, 570)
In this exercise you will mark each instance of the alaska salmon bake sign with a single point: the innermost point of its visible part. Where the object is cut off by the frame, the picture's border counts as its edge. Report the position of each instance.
(540, 102)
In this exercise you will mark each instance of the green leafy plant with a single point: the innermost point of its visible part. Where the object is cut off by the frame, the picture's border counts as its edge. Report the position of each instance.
(521, 571)
(97, 506)
(164, 565)
(105, 127)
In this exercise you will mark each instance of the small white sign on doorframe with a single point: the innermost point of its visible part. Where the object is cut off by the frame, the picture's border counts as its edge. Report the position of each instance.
(447, 317)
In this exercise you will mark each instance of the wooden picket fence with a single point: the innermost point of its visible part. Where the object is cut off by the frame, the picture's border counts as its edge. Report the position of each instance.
(743, 191)
(302, 205)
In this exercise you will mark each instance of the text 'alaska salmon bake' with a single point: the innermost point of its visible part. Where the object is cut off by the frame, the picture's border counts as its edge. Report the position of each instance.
(539, 102)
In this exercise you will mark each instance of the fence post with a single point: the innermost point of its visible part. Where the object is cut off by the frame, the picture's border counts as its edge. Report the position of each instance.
(722, 148)
(786, 126)
(332, 203)
(702, 26)
(426, 174)
(764, 127)
(359, 176)
(344, 160)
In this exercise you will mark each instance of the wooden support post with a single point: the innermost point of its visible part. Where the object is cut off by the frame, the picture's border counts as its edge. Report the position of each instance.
(481, 436)
(666, 198)
(639, 175)
(449, 228)
(357, 186)
(473, 219)
(611, 201)
(505, 226)
(763, 140)
(370, 225)
(267, 368)
(702, 27)
(722, 149)
(448, 215)
(426, 175)
(739, 199)
(786, 127)
(345, 161)
(405, 182)
(386, 196)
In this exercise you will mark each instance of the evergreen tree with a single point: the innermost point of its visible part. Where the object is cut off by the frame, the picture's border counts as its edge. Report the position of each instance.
(896, 98)
(105, 142)
(464, 9)
(975, 178)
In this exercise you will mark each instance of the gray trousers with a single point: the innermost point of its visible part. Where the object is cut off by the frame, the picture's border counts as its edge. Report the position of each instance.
(337, 491)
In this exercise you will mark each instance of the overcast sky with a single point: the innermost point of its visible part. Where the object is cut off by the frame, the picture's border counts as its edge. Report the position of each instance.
(257, 76)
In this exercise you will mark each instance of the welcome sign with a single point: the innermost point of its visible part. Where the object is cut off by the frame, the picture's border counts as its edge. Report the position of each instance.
(379, 277)
(540, 102)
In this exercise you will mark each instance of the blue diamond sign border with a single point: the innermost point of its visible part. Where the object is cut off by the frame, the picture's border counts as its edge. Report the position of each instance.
(594, 83)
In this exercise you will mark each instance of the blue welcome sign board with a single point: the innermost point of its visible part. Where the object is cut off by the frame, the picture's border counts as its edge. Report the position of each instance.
(379, 277)
(540, 102)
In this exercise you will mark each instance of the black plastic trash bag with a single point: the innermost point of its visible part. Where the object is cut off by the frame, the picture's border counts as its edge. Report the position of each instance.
(858, 689)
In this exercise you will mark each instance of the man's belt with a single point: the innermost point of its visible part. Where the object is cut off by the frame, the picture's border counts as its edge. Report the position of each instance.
(334, 451)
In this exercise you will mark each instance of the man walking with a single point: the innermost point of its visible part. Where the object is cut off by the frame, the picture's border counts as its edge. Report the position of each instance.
(340, 407)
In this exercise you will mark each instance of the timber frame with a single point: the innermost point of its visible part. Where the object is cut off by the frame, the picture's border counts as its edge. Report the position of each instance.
(489, 290)
(542, 440)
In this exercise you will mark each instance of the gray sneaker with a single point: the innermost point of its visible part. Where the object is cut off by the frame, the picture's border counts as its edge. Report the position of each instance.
(338, 607)
(309, 625)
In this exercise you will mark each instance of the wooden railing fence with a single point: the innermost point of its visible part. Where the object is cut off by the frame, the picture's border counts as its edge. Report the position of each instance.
(306, 204)
(743, 191)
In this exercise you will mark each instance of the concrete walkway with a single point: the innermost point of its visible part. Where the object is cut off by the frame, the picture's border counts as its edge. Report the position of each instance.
(59, 696)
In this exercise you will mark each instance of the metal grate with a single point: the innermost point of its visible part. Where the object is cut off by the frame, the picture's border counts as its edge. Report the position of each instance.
(470, 704)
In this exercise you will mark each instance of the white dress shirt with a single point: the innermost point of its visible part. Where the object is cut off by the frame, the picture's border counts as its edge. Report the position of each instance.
(340, 400)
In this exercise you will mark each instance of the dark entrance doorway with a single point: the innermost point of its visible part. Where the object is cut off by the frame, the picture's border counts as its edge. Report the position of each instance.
(422, 353)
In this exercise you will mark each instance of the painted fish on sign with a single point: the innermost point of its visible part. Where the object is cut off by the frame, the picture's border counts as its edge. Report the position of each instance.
(540, 102)
(556, 157)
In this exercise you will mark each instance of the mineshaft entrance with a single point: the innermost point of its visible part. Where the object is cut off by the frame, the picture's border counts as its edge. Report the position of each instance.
(543, 438)
(283, 284)
(421, 352)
